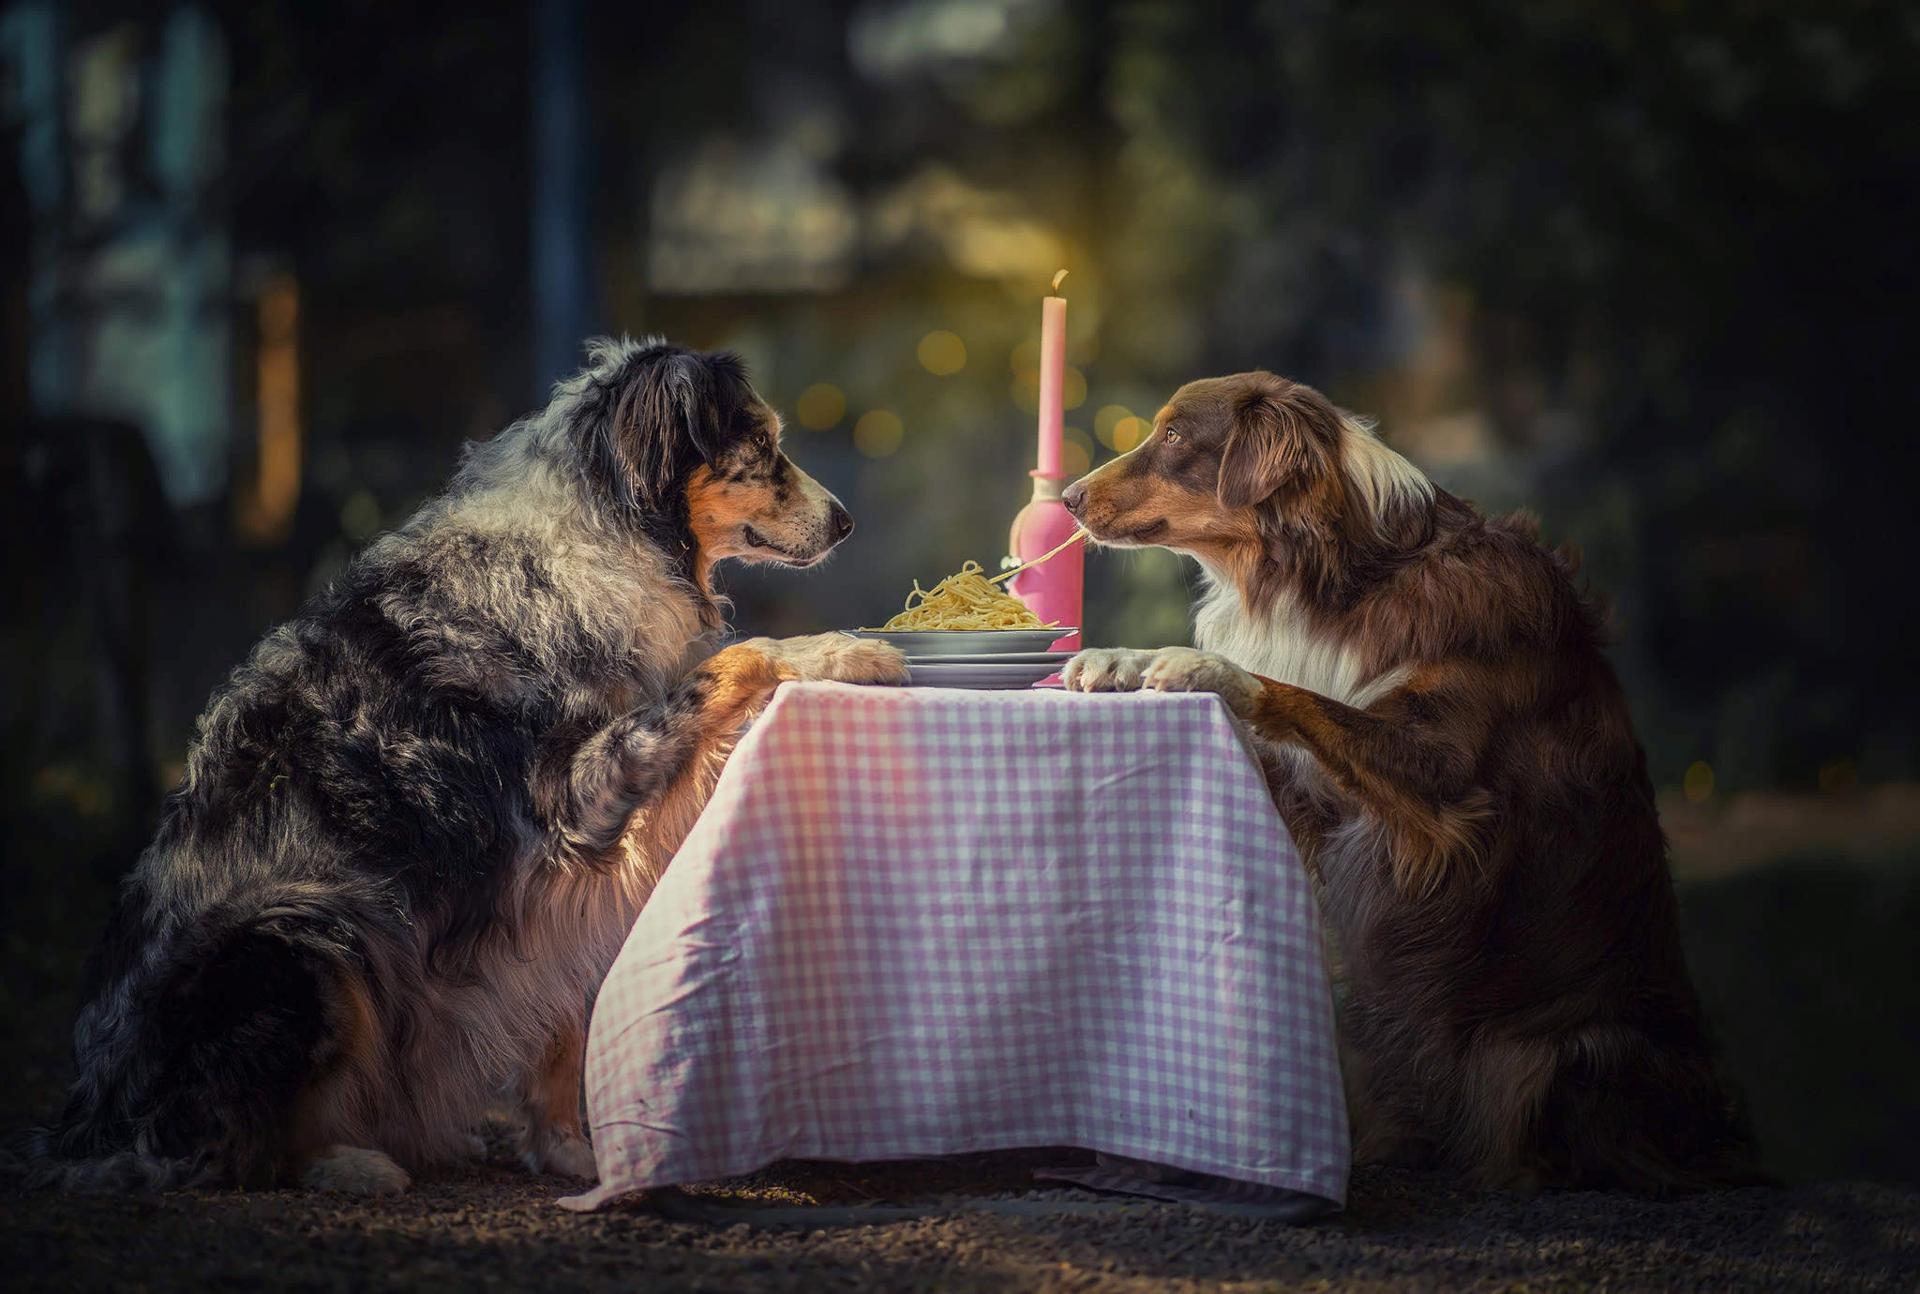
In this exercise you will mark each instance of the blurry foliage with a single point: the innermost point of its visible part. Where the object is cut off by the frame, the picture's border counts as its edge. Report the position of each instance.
(1671, 245)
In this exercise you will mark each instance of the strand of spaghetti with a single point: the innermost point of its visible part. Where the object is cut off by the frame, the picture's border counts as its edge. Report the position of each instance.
(1055, 551)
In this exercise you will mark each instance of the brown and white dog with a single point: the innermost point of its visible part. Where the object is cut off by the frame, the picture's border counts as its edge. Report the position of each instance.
(421, 817)
(1453, 754)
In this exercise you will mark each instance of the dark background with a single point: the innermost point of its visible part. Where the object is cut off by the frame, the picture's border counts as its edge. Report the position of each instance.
(1644, 268)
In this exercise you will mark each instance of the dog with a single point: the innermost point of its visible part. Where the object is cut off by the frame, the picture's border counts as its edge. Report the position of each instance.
(1453, 753)
(418, 822)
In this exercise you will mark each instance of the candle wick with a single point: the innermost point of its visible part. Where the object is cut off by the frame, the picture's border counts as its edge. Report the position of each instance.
(1056, 281)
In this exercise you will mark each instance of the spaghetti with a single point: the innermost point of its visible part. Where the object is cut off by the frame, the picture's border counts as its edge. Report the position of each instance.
(969, 600)
(963, 601)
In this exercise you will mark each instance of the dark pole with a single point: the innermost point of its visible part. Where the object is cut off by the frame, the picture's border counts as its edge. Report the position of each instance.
(563, 309)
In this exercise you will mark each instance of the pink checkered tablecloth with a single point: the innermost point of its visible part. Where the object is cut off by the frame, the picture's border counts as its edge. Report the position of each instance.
(920, 921)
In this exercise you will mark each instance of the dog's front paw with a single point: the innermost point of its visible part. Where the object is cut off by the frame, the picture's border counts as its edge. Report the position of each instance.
(1182, 669)
(354, 1170)
(1105, 669)
(567, 1155)
(835, 658)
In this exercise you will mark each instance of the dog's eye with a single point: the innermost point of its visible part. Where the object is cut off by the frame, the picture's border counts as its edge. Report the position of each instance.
(1173, 437)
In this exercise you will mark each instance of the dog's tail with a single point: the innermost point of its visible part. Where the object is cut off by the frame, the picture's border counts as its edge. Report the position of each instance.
(32, 1158)
(192, 1059)
(1662, 1121)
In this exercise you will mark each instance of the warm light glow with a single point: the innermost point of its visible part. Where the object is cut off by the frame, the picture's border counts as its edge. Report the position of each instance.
(878, 433)
(1056, 282)
(1076, 452)
(1129, 432)
(942, 354)
(1025, 359)
(265, 513)
(1699, 781)
(1026, 390)
(1104, 421)
(1073, 389)
(820, 406)
(993, 247)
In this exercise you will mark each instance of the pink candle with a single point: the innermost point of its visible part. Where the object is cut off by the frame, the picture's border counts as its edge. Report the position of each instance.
(1053, 589)
(1053, 376)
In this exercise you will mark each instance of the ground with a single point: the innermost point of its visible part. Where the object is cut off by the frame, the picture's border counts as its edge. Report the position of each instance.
(492, 1228)
(1807, 966)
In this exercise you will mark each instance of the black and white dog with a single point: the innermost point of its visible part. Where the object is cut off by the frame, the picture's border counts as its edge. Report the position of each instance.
(420, 819)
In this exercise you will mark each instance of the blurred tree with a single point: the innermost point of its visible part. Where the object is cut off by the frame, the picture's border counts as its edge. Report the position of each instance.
(1672, 245)
(1690, 227)
(1685, 235)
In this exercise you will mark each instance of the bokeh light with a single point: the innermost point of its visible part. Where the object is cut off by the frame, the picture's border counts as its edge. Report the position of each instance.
(1105, 420)
(1076, 452)
(878, 433)
(942, 353)
(1073, 388)
(1026, 390)
(1699, 781)
(1129, 432)
(821, 406)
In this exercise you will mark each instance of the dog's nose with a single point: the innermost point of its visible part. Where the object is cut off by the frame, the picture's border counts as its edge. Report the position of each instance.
(840, 522)
(1075, 497)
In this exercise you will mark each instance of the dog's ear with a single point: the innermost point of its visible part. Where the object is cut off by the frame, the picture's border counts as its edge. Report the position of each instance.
(704, 394)
(1280, 432)
(672, 416)
(683, 396)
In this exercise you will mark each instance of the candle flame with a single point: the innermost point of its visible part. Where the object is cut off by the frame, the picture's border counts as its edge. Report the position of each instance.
(1056, 281)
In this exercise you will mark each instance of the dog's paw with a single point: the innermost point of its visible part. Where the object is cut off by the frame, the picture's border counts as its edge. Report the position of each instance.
(565, 1154)
(1106, 669)
(835, 658)
(353, 1170)
(1182, 669)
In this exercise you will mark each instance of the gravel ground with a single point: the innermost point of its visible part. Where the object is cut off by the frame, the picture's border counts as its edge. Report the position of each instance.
(490, 1227)
(493, 1227)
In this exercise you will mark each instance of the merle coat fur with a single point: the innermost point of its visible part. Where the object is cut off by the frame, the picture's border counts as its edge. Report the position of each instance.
(419, 820)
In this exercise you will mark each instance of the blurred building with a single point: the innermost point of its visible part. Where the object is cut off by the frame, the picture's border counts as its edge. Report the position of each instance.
(123, 158)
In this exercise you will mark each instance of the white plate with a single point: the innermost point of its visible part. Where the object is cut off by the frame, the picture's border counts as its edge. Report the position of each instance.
(980, 677)
(965, 642)
(1054, 658)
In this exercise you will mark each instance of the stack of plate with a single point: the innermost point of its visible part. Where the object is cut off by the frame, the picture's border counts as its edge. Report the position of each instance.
(976, 658)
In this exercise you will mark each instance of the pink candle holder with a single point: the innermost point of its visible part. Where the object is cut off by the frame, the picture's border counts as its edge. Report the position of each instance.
(1052, 590)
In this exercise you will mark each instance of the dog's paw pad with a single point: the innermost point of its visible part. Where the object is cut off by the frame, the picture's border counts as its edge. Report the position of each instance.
(352, 1170)
(1105, 669)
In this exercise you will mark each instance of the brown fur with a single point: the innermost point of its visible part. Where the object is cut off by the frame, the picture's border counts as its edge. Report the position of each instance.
(1476, 808)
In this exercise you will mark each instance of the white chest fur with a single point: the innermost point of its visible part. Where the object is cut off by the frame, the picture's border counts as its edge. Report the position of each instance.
(1282, 645)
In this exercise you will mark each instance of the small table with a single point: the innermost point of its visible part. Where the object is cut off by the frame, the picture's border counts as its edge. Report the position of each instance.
(916, 922)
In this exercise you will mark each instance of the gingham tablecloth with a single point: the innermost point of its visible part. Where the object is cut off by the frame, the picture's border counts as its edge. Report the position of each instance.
(919, 921)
